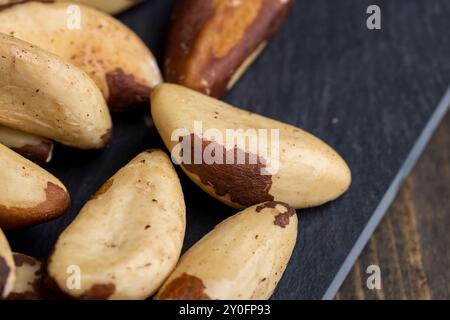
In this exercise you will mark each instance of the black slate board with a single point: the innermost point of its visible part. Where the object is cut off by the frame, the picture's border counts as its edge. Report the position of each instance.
(369, 94)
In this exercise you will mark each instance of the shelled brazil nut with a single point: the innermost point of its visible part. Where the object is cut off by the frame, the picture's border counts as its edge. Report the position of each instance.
(212, 42)
(128, 237)
(294, 167)
(44, 95)
(109, 52)
(28, 194)
(243, 258)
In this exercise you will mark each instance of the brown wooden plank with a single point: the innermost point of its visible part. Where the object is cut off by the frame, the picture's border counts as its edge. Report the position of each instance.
(412, 244)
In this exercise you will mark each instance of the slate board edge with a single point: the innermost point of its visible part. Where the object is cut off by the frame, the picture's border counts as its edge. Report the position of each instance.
(389, 196)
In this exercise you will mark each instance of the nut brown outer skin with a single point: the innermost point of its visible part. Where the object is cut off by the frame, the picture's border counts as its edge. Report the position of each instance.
(242, 182)
(282, 220)
(39, 154)
(37, 149)
(32, 283)
(210, 40)
(57, 201)
(125, 93)
(99, 292)
(185, 287)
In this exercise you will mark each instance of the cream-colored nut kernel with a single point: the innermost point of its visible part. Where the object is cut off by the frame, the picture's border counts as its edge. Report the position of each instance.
(243, 258)
(28, 194)
(295, 167)
(128, 238)
(44, 95)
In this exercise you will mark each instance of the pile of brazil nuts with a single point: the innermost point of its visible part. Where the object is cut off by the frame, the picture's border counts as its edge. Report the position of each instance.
(60, 85)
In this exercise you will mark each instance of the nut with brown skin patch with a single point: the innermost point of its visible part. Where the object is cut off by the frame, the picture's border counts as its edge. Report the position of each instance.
(134, 227)
(28, 284)
(242, 258)
(243, 183)
(125, 92)
(185, 287)
(32, 282)
(278, 162)
(39, 154)
(282, 219)
(99, 292)
(22, 259)
(28, 194)
(56, 203)
(211, 42)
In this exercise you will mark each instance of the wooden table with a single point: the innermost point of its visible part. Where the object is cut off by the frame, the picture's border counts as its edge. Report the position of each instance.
(412, 244)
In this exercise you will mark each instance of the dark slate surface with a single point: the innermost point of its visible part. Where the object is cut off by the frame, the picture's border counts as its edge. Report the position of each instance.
(367, 93)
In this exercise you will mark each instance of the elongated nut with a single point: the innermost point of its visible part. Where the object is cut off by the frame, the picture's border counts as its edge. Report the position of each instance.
(36, 149)
(275, 162)
(44, 95)
(244, 257)
(122, 66)
(128, 238)
(28, 194)
(7, 268)
(212, 42)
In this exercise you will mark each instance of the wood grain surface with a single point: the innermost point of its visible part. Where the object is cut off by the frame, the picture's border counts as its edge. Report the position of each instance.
(411, 245)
